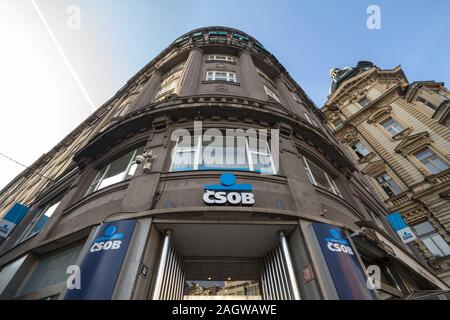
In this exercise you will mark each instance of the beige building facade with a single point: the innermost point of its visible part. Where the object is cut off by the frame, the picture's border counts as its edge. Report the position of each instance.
(398, 133)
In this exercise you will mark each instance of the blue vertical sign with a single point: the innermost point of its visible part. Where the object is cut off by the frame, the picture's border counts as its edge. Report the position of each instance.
(348, 276)
(399, 225)
(101, 265)
(12, 218)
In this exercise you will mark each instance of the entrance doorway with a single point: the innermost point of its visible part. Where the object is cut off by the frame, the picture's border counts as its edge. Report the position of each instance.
(226, 262)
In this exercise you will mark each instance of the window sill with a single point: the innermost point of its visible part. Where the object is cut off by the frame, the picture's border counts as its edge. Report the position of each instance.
(221, 82)
(221, 61)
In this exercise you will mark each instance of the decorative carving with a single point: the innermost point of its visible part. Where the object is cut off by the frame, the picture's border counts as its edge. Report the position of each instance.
(413, 142)
(403, 134)
(221, 88)
(367, 158)
(374, 168)
(378, 114)
(147, 158)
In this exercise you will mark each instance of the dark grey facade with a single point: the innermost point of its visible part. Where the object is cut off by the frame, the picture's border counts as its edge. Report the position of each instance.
(224, 79)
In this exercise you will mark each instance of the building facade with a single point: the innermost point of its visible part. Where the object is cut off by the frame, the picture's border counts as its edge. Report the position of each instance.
(398, 134)
(137, 203)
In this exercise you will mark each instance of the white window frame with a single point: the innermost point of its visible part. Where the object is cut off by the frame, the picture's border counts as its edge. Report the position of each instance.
(363, 145)
(429, 235)
(312, 179)
(198, 149)
(271, 94)
(391, 179)
(311, 121)
(221, 57)
(392, 126)
(211, 75)
(124, 175)
(433, 154)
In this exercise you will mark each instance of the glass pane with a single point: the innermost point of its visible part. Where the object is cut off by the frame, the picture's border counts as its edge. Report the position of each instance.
(262, 163)
(116, 171)
(216, 156)
(360, 149)
(183, 160)
(319, 176)
(432, 247)
(42, 220)
(441, 244)
(423, 228)
(51, 270)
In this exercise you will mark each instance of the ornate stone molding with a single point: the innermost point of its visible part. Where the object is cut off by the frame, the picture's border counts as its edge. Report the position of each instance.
(413, 142)
(374, 117)
(374, 168)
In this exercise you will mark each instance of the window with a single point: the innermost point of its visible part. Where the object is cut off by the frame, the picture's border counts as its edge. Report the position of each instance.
(432, 239)
(51, 270)
(118, 170)
(338, 124)
(431, 161)
(271, 94)
(389, 186)
(364, 102)
(209, 153)
(41, 219)
(360, 149)
(319, 177)
(221, 76)
(296, 98)
(392, 126)
(124, 110)
(170, 80)
(427, 103)
(376, 218)
(310, 120)
(218, 57)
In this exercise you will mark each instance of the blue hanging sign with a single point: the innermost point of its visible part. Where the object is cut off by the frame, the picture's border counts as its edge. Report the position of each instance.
(12, 218)
(348, 276)
(101, 265)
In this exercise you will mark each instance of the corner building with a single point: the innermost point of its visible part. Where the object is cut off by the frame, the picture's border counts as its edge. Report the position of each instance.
(126, 209)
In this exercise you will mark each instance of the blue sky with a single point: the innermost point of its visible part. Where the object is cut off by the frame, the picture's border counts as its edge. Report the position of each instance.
(308, 37)
(117, 38)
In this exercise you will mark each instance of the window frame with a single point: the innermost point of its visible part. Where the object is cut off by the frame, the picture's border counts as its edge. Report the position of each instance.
(391, 179)
(436, 154)
(28, 232)
(390, 118)
(106, 167)
(271, 94)
(197, 148)
(215, 57)
(230, 76)
(363, 145)
(429, 235)
(313, 179)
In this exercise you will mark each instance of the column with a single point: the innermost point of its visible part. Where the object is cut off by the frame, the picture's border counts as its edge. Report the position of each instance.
(250, 80)
(162, 265)
(149, 91)
(192, 73)
(289, 266)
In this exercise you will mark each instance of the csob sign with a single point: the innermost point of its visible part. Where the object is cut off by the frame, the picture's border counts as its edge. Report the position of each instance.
(12, 218)
(103, 261)
(228, 191)
(347, 273)
(399, 225)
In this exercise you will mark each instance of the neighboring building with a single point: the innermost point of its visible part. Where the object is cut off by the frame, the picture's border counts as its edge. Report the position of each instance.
(145, 216)
(399, 136)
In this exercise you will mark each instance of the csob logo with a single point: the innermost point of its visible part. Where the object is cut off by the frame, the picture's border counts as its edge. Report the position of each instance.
(336, 243)
(228, 191)
(109, 241)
